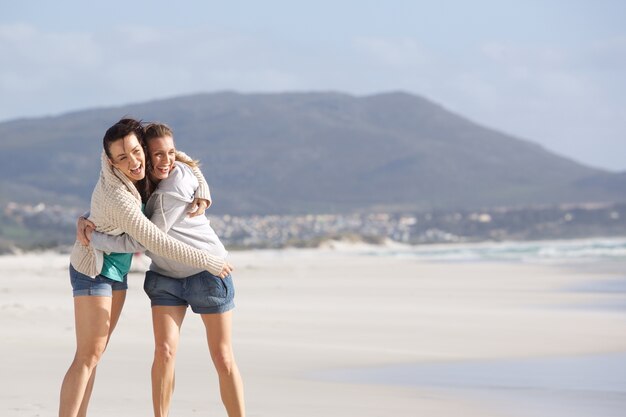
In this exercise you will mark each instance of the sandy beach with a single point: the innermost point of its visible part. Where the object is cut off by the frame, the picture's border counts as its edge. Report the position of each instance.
(330, 332)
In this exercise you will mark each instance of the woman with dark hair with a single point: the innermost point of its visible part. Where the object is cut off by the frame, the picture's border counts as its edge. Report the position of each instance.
(99, 279)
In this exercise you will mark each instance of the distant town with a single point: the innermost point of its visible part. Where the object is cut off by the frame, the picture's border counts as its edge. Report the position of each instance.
(28, 227)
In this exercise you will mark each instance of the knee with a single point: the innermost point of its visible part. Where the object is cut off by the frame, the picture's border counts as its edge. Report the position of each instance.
(164, 352)
(224, 361)
(90, 357)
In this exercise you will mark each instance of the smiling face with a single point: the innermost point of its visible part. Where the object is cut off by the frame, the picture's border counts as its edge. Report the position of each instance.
(127, 155)
(162, 154)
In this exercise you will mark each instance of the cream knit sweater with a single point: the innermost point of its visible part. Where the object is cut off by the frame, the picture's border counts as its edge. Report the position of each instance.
(116, 209)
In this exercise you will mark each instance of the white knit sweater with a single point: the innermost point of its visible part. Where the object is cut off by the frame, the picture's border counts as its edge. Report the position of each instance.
(116, 209)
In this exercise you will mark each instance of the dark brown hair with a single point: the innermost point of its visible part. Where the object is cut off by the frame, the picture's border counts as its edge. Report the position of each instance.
(120, 130)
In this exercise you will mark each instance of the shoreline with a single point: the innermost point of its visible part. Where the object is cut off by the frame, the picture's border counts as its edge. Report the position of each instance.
(359, 242)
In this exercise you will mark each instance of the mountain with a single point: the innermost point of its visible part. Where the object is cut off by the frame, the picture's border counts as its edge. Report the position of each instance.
(309, 153)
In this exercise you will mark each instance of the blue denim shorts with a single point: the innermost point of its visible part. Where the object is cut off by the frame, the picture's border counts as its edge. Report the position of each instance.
(99, 286)
(204, 292)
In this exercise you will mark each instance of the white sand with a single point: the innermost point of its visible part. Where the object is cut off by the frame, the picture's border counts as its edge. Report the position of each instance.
(301, 312)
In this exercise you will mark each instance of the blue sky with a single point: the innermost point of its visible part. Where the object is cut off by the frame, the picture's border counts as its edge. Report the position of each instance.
(553, 72)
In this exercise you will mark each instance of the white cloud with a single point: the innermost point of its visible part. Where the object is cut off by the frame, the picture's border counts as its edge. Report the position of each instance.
(54, 72)
(27, 48)
(402, 53)
(513, 55)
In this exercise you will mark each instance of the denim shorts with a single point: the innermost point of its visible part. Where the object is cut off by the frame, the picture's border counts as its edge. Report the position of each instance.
(204, 292)
(99, 286)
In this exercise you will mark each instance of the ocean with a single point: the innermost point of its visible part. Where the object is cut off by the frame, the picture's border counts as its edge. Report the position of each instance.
(548, 251)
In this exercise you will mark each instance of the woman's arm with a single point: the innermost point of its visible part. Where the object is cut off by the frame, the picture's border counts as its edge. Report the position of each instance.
(123, 243)
(167, 211)
(128, 217)
(202, 195)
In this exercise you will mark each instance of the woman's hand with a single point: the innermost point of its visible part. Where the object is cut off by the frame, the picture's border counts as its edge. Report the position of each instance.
(226, 270)
(88, 231)
(82, 225)
(198, 207)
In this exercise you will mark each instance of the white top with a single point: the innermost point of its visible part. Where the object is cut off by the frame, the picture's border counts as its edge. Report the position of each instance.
(167, 208)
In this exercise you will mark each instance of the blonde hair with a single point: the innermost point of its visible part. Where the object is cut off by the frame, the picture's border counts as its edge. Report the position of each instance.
(159, 130)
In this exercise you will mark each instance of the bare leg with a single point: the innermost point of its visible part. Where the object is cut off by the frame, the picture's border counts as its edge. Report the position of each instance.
(119, 296)
(92, 317)
(218, 330)
(166, 323)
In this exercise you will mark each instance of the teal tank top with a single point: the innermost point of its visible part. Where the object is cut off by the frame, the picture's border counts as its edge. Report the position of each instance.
(116, 265)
